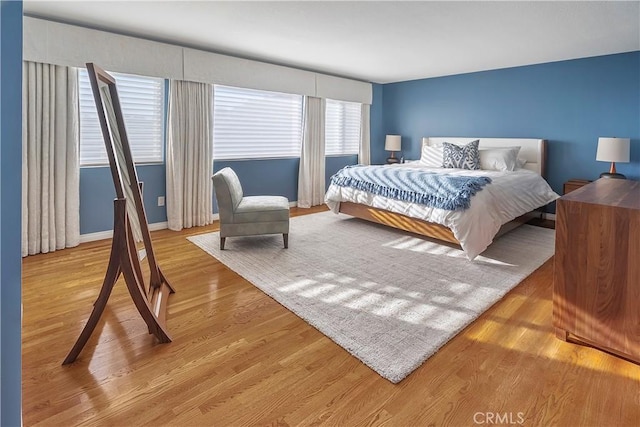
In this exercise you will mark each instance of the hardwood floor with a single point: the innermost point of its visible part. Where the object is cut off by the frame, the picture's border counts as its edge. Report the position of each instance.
(240, 358)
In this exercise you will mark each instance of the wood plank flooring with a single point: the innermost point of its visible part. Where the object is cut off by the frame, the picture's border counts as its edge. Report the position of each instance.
(240, 358)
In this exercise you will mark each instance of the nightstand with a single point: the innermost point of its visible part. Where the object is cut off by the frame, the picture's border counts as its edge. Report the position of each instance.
(573, 184)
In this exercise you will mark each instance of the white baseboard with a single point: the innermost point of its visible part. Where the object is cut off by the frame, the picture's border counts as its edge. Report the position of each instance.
(158, 226)
(108, 234)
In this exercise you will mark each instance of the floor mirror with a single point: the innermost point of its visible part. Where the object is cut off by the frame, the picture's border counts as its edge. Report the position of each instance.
(132, 254)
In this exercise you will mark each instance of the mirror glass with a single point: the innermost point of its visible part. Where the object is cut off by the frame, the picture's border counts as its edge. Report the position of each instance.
(121, 162)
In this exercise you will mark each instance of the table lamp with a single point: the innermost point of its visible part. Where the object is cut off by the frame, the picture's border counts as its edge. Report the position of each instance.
(613, 150)
(392, 143)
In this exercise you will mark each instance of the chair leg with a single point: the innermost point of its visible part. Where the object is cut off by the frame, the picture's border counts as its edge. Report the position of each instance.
(285, 236)
(222, 240)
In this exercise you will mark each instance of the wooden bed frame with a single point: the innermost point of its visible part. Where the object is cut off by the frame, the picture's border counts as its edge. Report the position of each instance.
(532, 150)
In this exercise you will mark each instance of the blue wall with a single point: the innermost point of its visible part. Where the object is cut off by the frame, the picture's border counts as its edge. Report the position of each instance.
(269, 176)
(258, 177)
(276, 177)
(333, 164)
(10, 211)
(568, 103)
(97, 194)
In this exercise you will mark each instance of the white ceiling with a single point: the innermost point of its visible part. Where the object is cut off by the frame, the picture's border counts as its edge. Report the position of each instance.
(380, 42)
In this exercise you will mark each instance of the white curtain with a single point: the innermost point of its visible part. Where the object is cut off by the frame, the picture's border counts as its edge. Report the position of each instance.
(50, 168)
(364, 153)
(189, 155)
(311, 181)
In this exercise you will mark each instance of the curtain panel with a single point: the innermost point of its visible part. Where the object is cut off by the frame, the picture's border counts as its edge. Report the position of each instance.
(311, 180)
(50, 165)
(189, 155)
(364, 153)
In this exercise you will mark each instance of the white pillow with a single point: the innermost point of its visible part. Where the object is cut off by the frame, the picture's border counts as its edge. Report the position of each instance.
(499, 159)
(520, 163)
(431, 156)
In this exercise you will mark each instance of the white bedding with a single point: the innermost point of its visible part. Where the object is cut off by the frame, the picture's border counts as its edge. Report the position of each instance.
(509, 195)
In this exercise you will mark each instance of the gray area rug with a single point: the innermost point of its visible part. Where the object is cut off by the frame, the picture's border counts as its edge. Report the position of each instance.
(390, 298)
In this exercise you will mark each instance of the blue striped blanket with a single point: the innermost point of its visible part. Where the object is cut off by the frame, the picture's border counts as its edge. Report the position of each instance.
(450, 192)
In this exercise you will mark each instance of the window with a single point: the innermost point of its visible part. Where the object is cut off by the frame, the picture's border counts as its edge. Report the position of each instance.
(250, 123)
(142, 101)
(342, 128)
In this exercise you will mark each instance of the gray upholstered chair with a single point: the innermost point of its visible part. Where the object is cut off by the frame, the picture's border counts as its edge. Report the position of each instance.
(250, 215)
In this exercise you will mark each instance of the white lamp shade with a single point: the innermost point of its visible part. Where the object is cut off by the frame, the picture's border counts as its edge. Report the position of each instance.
(392, 143)
(613, 150)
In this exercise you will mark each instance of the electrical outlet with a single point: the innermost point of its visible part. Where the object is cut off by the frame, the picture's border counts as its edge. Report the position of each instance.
(160, 200)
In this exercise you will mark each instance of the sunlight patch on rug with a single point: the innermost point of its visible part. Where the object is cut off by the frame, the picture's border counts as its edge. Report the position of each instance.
(390, 298)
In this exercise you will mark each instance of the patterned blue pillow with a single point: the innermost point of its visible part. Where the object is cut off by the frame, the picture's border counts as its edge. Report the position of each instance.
(461, 157)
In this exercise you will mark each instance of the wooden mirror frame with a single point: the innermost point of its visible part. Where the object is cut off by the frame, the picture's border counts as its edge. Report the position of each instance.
(150, 297)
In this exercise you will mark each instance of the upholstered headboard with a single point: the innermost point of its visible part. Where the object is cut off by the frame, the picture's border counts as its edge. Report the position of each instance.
(531, 150)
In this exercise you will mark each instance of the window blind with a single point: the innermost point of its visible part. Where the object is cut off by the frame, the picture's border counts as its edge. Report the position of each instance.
(250, 123)
(142, 101)
(342, 128)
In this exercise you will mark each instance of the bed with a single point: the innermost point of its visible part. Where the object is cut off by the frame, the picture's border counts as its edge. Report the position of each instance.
(512, 198)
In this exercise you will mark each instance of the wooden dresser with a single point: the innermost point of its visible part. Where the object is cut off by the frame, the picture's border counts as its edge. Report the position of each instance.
(596, 293)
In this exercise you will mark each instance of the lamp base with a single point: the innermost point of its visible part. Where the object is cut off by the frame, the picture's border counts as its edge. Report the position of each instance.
(612, 175)
(391, 160)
